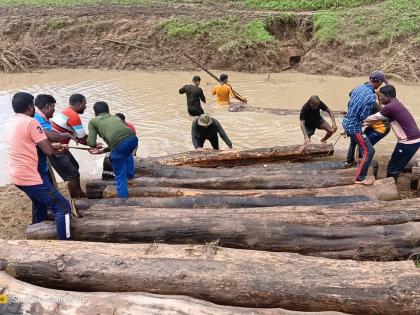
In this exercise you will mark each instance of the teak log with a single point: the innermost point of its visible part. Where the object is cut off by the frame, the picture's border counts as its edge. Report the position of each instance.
(219, 275)
(145, 167)
(384, 189)
(314, 179)
(24, 298)
(329, 233)
(213, 158)
(240, 107)
(219, 201)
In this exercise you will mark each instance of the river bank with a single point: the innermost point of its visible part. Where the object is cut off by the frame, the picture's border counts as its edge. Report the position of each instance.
(246, 36)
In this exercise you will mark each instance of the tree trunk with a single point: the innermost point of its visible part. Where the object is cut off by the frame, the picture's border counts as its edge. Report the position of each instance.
(355, 234)
(145, 167)
(219, 201)
(240, 107)
(219, 275)
(214, 158)
(314, 179)
(384, 189)
(34, 300)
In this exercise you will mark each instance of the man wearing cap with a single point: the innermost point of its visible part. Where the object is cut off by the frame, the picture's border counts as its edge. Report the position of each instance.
(223, 91)
(207, 128)
(194, 96)
(404, 127)
(362, 99)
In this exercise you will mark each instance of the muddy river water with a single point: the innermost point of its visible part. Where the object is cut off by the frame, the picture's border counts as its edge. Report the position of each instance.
(151, 101)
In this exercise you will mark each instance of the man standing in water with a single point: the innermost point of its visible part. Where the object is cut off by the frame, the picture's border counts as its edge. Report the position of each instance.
(68, 121)
(223, 91)
(360, 106)
(404, 127)
(22, 136)
(195, 96)
(310, 119)
(206, 128)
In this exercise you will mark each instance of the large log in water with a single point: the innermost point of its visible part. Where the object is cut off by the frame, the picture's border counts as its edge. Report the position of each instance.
(334, 233)
(214, 158)
(219, 275)
(24, 298)
(240, 107)
(384, 189)
(219, 201)
(146, 167)
(283, 180)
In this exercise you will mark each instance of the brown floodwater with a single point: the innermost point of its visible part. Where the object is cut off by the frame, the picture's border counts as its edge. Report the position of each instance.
(151, 101)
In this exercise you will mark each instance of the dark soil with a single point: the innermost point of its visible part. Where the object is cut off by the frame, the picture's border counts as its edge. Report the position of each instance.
(84, 37)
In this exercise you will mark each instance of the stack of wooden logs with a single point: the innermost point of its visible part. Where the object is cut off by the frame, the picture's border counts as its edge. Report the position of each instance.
(254, 231)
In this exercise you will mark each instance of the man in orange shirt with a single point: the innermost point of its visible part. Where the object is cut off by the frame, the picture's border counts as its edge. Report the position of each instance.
(223, 91)
(23, 135)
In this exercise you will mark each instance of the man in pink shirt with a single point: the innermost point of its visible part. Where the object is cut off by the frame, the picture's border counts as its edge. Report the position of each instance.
(23, 134)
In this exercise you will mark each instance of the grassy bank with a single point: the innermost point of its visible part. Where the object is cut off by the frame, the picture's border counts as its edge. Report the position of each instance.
(227, 32)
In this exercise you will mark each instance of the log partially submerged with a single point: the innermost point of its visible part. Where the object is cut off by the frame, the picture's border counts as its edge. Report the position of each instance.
(218, 201)
(334, 232)
(241, 107)
(146, 167)
(295, 180)
(24, 298)
(219, 275)
(384, 189)
(214, 158)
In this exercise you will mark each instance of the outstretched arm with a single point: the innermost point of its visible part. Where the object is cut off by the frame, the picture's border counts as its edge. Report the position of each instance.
(223, 134)
(307, 139)
(334, 125)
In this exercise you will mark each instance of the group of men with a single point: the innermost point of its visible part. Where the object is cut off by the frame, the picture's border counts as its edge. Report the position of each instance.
(205, 127)
(372, 105)
(37, 139)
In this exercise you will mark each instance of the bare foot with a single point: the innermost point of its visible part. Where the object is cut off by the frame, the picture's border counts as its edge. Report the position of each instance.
(366, 182)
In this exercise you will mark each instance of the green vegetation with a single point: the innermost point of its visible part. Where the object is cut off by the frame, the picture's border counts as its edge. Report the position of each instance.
(217, 30)
(71, 2)
(379, 23)
(326, 26)
(306, 4)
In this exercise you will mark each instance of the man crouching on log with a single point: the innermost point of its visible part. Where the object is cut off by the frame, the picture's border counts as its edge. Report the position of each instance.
(206, 128)
(311, 119)
(121, 141)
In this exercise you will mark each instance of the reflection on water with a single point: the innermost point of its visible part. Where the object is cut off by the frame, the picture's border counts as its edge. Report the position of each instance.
(151, 101)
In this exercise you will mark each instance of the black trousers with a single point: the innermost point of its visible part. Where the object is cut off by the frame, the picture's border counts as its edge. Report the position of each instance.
(214, 140)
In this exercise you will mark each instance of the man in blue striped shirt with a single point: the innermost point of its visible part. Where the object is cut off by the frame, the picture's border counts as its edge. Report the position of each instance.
(362, 99)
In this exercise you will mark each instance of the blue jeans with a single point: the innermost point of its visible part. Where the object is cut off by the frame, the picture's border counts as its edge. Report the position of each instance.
(122, 162)
(367, 153)
(400, 157)
(44, 197)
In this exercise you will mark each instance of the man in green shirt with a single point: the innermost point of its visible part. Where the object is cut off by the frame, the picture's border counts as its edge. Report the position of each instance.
(206, 128)
(121, 142)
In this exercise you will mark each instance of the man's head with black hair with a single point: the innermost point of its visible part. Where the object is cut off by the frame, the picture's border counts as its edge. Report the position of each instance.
(46, 104)
(196, 80)
(100, 108)
(121, 115)
(78, 103)
(387, 93)
(23, 103)
(223, 78)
